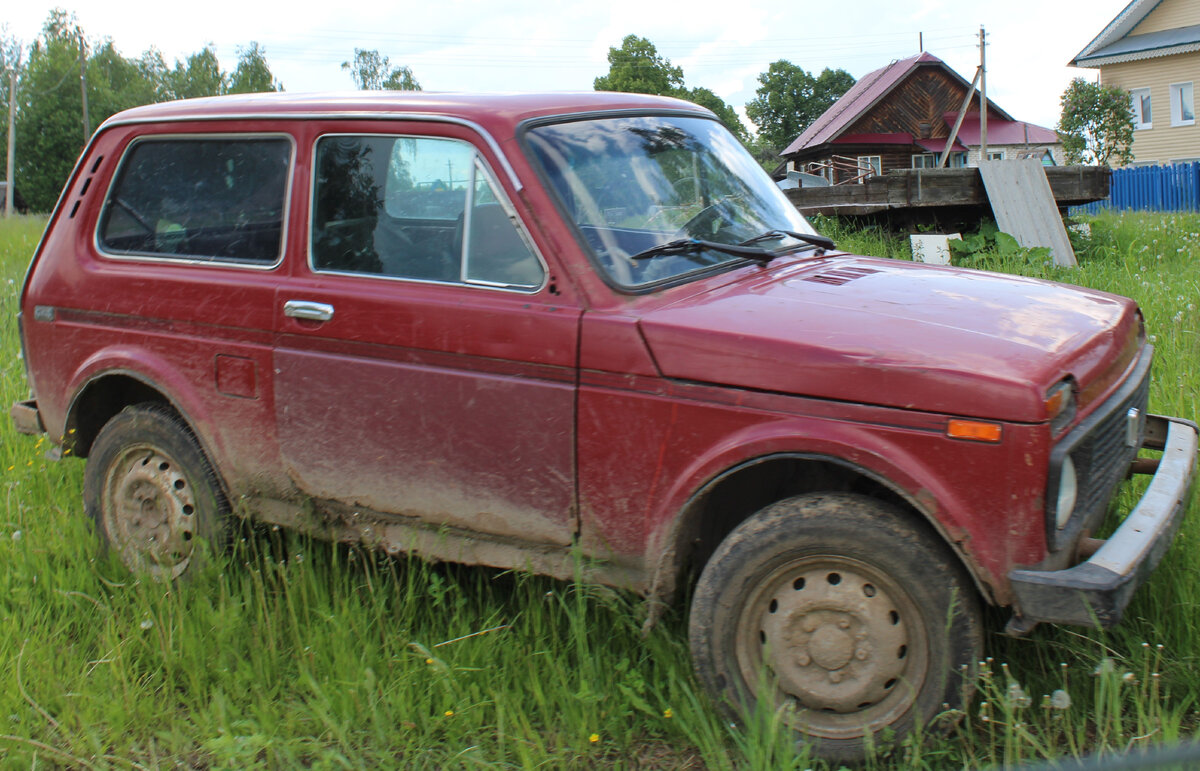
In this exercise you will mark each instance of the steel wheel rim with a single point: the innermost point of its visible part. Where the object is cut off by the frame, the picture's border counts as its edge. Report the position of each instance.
(149, 510)
(841, 644)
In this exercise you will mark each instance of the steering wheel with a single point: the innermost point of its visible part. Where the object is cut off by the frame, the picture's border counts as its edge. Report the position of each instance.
(707, 222)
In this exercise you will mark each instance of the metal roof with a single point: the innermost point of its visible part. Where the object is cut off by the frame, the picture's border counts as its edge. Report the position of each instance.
(1124, 22)
(938, 145)
(1001, 132)
(1162, 43)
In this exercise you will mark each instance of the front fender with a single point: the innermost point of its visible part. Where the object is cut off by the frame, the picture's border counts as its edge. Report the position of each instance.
(950, 483)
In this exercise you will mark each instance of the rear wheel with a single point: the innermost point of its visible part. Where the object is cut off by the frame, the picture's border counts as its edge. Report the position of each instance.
(849, 619)
(152, 493)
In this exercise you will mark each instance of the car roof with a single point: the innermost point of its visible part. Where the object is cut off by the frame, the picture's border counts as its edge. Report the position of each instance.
(493, 110)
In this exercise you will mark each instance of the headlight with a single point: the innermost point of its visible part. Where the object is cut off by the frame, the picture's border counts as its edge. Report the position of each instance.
(1060, 406)
(1067, 491)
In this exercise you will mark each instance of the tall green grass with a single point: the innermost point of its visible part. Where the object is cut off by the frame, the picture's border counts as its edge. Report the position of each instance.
(288, 652)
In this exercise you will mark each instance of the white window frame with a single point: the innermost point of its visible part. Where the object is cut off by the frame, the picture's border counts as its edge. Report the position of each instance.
(925, 161)
(1183, 97)
(873, 162)
(995, 155)
(1137, 98)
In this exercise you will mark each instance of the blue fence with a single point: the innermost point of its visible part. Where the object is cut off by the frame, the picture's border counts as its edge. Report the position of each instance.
(1152, 188)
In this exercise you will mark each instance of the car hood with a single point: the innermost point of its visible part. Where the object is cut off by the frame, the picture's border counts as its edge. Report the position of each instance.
(894, 333)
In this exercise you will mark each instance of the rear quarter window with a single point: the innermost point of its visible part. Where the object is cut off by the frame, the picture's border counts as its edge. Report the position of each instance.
(217, 199)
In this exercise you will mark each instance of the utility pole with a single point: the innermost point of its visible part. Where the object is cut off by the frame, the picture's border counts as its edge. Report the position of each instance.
(87, 124)
(10, 59)
(983, 103)
(12, 137)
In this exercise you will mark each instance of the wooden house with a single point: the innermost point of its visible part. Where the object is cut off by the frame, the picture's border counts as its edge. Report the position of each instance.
(1152, 50)
(900, 117)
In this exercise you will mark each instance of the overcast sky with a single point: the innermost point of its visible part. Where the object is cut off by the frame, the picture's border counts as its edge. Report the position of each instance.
(527, 45)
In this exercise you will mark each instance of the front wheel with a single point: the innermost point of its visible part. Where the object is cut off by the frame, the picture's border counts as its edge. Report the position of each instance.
(152, 494)
(846, 617)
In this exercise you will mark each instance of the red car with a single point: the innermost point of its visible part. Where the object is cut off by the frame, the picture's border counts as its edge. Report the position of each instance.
(516, 330)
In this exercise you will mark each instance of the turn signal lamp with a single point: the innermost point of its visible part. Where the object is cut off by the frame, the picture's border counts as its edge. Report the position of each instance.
(1060, 406)
(975, 430)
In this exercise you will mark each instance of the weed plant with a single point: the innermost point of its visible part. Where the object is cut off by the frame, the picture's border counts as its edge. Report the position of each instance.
(288, 652)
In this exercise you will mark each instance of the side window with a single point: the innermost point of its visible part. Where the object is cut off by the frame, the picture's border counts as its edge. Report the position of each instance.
(219, 199)
(418, 208)
(1140, 105)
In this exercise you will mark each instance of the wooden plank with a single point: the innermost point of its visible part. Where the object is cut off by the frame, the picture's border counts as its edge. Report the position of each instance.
(924, 188)
(1025, 208)
(1075, 185)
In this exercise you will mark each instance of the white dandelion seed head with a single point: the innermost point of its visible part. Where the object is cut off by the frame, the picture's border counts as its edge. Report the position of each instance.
(1017, 697)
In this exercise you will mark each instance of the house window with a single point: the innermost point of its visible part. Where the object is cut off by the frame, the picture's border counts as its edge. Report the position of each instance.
(869, 166)
(995, 155)
(924, 161)
(1183, 108)
(1142, 117)
(957, 161)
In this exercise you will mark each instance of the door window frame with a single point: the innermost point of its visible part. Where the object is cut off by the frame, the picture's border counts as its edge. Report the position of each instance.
(480, 164)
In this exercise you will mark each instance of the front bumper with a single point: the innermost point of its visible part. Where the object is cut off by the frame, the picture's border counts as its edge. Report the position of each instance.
(1096, 592)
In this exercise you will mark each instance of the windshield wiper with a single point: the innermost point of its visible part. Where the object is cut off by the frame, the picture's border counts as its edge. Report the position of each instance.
(692, 245)
(808, 238)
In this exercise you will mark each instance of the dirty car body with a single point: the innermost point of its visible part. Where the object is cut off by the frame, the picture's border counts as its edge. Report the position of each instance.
(507, 330)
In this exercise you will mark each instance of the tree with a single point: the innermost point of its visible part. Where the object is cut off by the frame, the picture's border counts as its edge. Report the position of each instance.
(252, 75)
(636, 67)
(706, 98)
(1096, 124)
(200, 76)
(789, 99)
(49, 111)
(372, 72)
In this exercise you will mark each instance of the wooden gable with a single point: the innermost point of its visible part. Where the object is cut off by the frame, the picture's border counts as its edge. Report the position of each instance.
(917, 106)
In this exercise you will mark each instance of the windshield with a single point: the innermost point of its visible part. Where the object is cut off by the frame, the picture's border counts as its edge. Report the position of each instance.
(633, 183)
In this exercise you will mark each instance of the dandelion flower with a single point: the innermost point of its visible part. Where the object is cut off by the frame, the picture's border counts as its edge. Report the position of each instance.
(449, 713)
(1060, 699)
(594, 738)
(1017, 696)
(428, 661)
(668, 714)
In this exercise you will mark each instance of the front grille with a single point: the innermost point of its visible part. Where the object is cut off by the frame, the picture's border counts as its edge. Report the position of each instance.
(1103, 458)
(1100, 450)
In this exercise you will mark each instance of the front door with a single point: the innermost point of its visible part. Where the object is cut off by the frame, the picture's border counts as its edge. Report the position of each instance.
(423, 369)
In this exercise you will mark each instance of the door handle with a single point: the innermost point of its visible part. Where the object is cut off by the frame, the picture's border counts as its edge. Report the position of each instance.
(304, 309)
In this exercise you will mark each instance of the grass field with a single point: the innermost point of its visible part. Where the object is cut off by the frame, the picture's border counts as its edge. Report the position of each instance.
(290, 653)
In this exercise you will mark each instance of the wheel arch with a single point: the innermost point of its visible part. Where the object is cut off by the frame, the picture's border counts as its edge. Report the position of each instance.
(733, 495)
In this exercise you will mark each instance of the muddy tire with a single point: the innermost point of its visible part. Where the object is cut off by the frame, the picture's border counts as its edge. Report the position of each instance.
(849, 618)
(152, 494)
